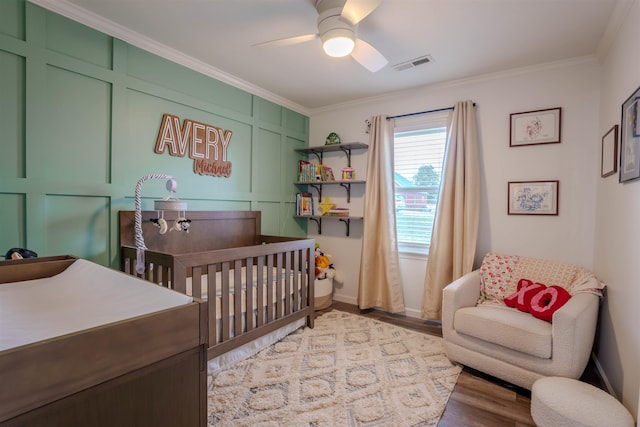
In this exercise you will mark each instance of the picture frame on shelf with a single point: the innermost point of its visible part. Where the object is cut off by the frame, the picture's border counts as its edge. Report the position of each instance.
(536, 127)
(630, 138)
(533, 197)
(609, 156)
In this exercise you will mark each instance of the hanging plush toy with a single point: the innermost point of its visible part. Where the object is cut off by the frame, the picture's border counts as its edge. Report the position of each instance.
(324, 268)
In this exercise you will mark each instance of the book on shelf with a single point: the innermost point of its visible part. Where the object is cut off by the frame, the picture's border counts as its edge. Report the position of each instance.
(327, 174)
(304, 204)
(303, 170)
(314, 172)
(338, 212)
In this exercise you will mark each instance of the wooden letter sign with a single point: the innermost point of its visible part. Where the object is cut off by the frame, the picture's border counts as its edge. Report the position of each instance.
(208, 145)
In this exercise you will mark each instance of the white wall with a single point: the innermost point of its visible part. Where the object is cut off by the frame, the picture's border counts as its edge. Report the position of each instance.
(572, 85)
(598, 225)
(618, 226)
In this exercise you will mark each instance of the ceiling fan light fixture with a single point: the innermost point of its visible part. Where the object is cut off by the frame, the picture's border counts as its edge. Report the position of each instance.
(338, 43)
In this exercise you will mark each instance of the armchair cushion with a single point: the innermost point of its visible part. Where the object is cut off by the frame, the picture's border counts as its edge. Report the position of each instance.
(507, 327)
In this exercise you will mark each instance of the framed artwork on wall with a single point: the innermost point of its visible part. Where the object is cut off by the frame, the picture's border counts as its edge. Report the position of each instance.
(533, 197)
(630, 138)
(536, 127)
(609, 159)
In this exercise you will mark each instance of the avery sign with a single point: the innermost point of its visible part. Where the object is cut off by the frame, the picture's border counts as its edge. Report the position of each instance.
(208, 145)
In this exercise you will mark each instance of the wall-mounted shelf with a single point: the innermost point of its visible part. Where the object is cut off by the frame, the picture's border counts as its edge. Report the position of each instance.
(317, 185)
(318, 220)
(345, 148)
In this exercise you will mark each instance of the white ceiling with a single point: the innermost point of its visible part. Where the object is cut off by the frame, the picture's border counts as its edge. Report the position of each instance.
(465, 38)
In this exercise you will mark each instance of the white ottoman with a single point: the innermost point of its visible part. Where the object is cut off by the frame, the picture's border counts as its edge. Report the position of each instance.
(560, 402)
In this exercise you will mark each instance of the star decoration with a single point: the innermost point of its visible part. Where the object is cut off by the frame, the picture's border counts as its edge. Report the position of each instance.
(326, 205)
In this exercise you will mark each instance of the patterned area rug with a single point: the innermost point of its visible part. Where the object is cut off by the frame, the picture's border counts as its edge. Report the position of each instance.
(347, 371)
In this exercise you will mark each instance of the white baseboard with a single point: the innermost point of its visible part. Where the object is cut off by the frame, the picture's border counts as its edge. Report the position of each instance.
(409, 312)
(345, 299)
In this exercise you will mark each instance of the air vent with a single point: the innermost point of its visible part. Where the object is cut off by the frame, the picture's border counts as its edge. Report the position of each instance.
(412, 63)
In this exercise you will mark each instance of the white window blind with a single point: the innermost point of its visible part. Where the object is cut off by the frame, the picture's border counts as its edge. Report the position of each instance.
(419, 144)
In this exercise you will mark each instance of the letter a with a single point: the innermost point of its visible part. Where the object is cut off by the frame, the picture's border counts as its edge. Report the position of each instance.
(166, 136)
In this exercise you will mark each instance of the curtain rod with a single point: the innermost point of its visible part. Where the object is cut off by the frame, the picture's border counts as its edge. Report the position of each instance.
(422, 112)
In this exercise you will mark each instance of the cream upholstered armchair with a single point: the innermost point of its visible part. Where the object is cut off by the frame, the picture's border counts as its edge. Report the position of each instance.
(482, 332)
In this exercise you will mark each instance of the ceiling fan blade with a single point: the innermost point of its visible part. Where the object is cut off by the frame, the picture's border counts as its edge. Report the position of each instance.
(368, 56)
(356, 10)
(287, 41)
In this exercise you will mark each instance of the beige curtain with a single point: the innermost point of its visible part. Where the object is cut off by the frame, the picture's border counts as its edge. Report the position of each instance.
(380, 284)
(455, 228)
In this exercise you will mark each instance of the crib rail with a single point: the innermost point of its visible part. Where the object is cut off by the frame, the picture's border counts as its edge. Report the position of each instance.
(250, 290)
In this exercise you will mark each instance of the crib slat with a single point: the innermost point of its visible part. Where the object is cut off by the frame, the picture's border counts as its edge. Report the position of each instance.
(287, 283)
(260, 290)
(224, 297)
(165, 276)
(306, 278)
(237, 297)
(250, 292)
(179, 281)
(269, 288)
(296, 280)
(153, 272)
(211, 304)
(278, 285)
(196, 282)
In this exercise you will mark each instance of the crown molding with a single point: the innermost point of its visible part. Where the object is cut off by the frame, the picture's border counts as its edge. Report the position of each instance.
(459, 82)
(113, 29)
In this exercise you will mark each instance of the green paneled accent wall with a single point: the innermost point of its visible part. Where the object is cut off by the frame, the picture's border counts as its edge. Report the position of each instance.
(12, 19)
(78, 41)
(78, 225)
(77, 142)
(12, 68)
(12, 212)
(80, 113)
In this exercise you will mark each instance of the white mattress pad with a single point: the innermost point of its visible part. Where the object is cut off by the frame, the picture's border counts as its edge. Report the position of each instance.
(243, 278)
(84, 296)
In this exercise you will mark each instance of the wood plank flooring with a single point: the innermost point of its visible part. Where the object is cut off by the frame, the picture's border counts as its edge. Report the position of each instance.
(477, 400)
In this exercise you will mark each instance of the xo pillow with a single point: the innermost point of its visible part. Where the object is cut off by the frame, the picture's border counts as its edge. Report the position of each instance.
(522, 298)
(538, 299)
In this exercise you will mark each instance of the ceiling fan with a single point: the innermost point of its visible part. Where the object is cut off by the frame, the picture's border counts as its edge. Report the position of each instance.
(337, 24)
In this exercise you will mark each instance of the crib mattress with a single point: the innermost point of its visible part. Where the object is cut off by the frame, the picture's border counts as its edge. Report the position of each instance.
(243, 296)
(83, 296)
(243, 278)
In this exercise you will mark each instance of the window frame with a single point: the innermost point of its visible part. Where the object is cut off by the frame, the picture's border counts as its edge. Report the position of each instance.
(430, 122)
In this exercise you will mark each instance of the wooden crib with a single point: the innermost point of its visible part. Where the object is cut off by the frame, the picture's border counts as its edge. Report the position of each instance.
(260, 283)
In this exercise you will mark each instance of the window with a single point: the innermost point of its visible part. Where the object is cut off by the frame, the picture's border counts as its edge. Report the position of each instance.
(419, 144)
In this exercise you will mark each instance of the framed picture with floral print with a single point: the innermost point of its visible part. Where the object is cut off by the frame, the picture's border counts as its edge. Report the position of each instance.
(533, 197)
(536, 127)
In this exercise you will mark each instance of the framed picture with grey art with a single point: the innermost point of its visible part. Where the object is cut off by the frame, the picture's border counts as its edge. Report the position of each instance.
(609, 159)
(536, 127)
(533, 197)
(630, 139)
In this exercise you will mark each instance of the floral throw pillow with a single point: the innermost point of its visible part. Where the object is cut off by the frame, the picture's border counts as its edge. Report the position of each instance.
(496, 277)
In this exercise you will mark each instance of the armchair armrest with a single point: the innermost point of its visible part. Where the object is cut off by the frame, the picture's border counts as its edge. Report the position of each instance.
(573, 331)
(463, 292)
